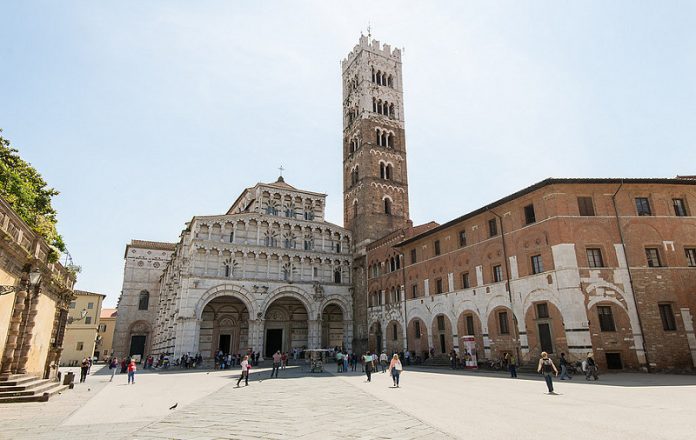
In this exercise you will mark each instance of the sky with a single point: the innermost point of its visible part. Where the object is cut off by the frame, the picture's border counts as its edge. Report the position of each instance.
(144, 114)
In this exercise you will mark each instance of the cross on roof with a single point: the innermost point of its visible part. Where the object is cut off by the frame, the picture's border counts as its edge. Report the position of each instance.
(281, 170)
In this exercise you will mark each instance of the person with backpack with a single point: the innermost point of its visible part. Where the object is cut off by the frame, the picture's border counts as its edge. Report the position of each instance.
(547, 368)
(367, 359)
(245, 371)
(395, 368)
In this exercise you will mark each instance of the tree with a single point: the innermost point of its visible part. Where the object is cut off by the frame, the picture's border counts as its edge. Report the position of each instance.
(28, 194)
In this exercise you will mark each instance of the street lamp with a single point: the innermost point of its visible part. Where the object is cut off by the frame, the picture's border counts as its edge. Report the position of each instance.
(34, 280)
(83, 314)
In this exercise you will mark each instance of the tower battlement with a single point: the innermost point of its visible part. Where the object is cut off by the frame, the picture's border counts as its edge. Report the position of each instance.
(371, 45)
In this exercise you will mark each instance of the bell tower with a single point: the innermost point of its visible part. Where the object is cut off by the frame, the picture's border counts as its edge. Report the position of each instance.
(375, 182)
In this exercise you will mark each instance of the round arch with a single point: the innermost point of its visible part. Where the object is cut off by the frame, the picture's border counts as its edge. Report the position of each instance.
(225, 290)
(293, 292)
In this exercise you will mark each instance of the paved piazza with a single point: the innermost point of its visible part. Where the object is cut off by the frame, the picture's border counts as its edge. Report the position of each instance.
(432, 403)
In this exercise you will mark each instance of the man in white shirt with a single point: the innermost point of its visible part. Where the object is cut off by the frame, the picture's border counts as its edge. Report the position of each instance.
(383, 361)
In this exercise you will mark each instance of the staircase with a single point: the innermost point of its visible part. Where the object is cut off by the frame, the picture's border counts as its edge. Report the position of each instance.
(439, 360)
(27, 388)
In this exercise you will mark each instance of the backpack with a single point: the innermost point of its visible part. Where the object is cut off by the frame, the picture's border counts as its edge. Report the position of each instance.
(546, 366)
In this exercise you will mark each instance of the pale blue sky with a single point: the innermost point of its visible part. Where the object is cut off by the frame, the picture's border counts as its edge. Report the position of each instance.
(144, 114)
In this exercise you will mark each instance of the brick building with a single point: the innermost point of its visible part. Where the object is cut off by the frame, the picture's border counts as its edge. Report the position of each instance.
(565, 265)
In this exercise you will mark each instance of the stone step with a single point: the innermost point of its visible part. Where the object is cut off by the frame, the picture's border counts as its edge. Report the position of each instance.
(37, 397)
(39, 389)
(17, 379)
(27, 385)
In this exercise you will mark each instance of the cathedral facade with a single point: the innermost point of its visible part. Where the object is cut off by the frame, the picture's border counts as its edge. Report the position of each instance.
(270, 274)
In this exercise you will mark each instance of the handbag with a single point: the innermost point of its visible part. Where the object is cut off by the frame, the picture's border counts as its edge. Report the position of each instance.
(398, 366)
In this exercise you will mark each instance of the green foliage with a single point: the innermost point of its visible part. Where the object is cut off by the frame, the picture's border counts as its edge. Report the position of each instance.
(28, 194)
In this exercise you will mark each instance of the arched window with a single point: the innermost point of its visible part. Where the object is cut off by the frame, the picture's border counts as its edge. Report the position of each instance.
(382, 171)
(390, 81)
(144, 300)
(337, 276)
(373, 74)
(378, 133)
(392, 264)
(391, 110)
(387, 206)
(384, 139)
(374, 105)
(355, 209)
(388, 172)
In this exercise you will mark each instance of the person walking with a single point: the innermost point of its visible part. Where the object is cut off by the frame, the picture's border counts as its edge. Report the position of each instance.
(367, 359)
(395, 368)
(84, 369)
(339, 362)
(383, 360)
(547, 368)
(245, 371)
(276, 364)
(563, 362)
(283, 361)
(131, 372)
(512, 365)
(113, 365)
(591, 367)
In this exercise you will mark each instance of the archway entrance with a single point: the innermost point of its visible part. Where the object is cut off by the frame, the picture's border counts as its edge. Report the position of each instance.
(332, 327)
(375, 338)
(224, 327)
(286, 326)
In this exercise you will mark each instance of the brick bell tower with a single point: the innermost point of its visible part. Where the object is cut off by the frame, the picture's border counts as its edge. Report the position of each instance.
(375, 182)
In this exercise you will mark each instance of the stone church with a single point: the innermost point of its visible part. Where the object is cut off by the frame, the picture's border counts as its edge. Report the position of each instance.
(271, 274)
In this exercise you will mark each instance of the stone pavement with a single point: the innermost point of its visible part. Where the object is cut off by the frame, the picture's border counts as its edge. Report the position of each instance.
(431, 404)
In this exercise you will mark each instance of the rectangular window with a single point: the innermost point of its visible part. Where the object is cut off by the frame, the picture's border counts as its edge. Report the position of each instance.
(90, 306)
(80, 346)
(542, 310)
(315, 272)
(462, 238)
(537, 264)
(72, 305)
(679, 207)
(668, 322)
(503, 323)
(643, 206)
(102, 328)
(690, 257)
(529, 216)
(497, 274)
(653, 257)
(417, 329)
(606, 319)
(594, 257)
(465, 281)
(585, 206)
(88, 320)
(436, 246)
(414, 259)
(441, 323)
(438, 285)
(414, 291)
(470, 325)
(492, 228)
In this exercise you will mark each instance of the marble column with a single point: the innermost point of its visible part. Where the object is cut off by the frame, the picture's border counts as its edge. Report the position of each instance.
(13, 334)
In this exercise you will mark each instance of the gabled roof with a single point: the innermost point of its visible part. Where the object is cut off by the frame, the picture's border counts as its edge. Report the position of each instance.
(107, 313)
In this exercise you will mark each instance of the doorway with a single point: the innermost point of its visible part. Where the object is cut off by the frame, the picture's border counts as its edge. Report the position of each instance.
(137, 345)
(274, 341)
(614, 361)
(224, 343)
(545, 338)
(443, 346)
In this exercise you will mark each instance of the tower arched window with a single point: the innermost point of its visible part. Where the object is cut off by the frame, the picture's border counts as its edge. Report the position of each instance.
(378, 134)
(388, 172)
(382, 171)
(391, 110)
(387, 206)
(337, 275)
(390, 140)
(355, 209)
(143, 300)
(390, 81)
(384, 138)
(373, 74)
(374, 105)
